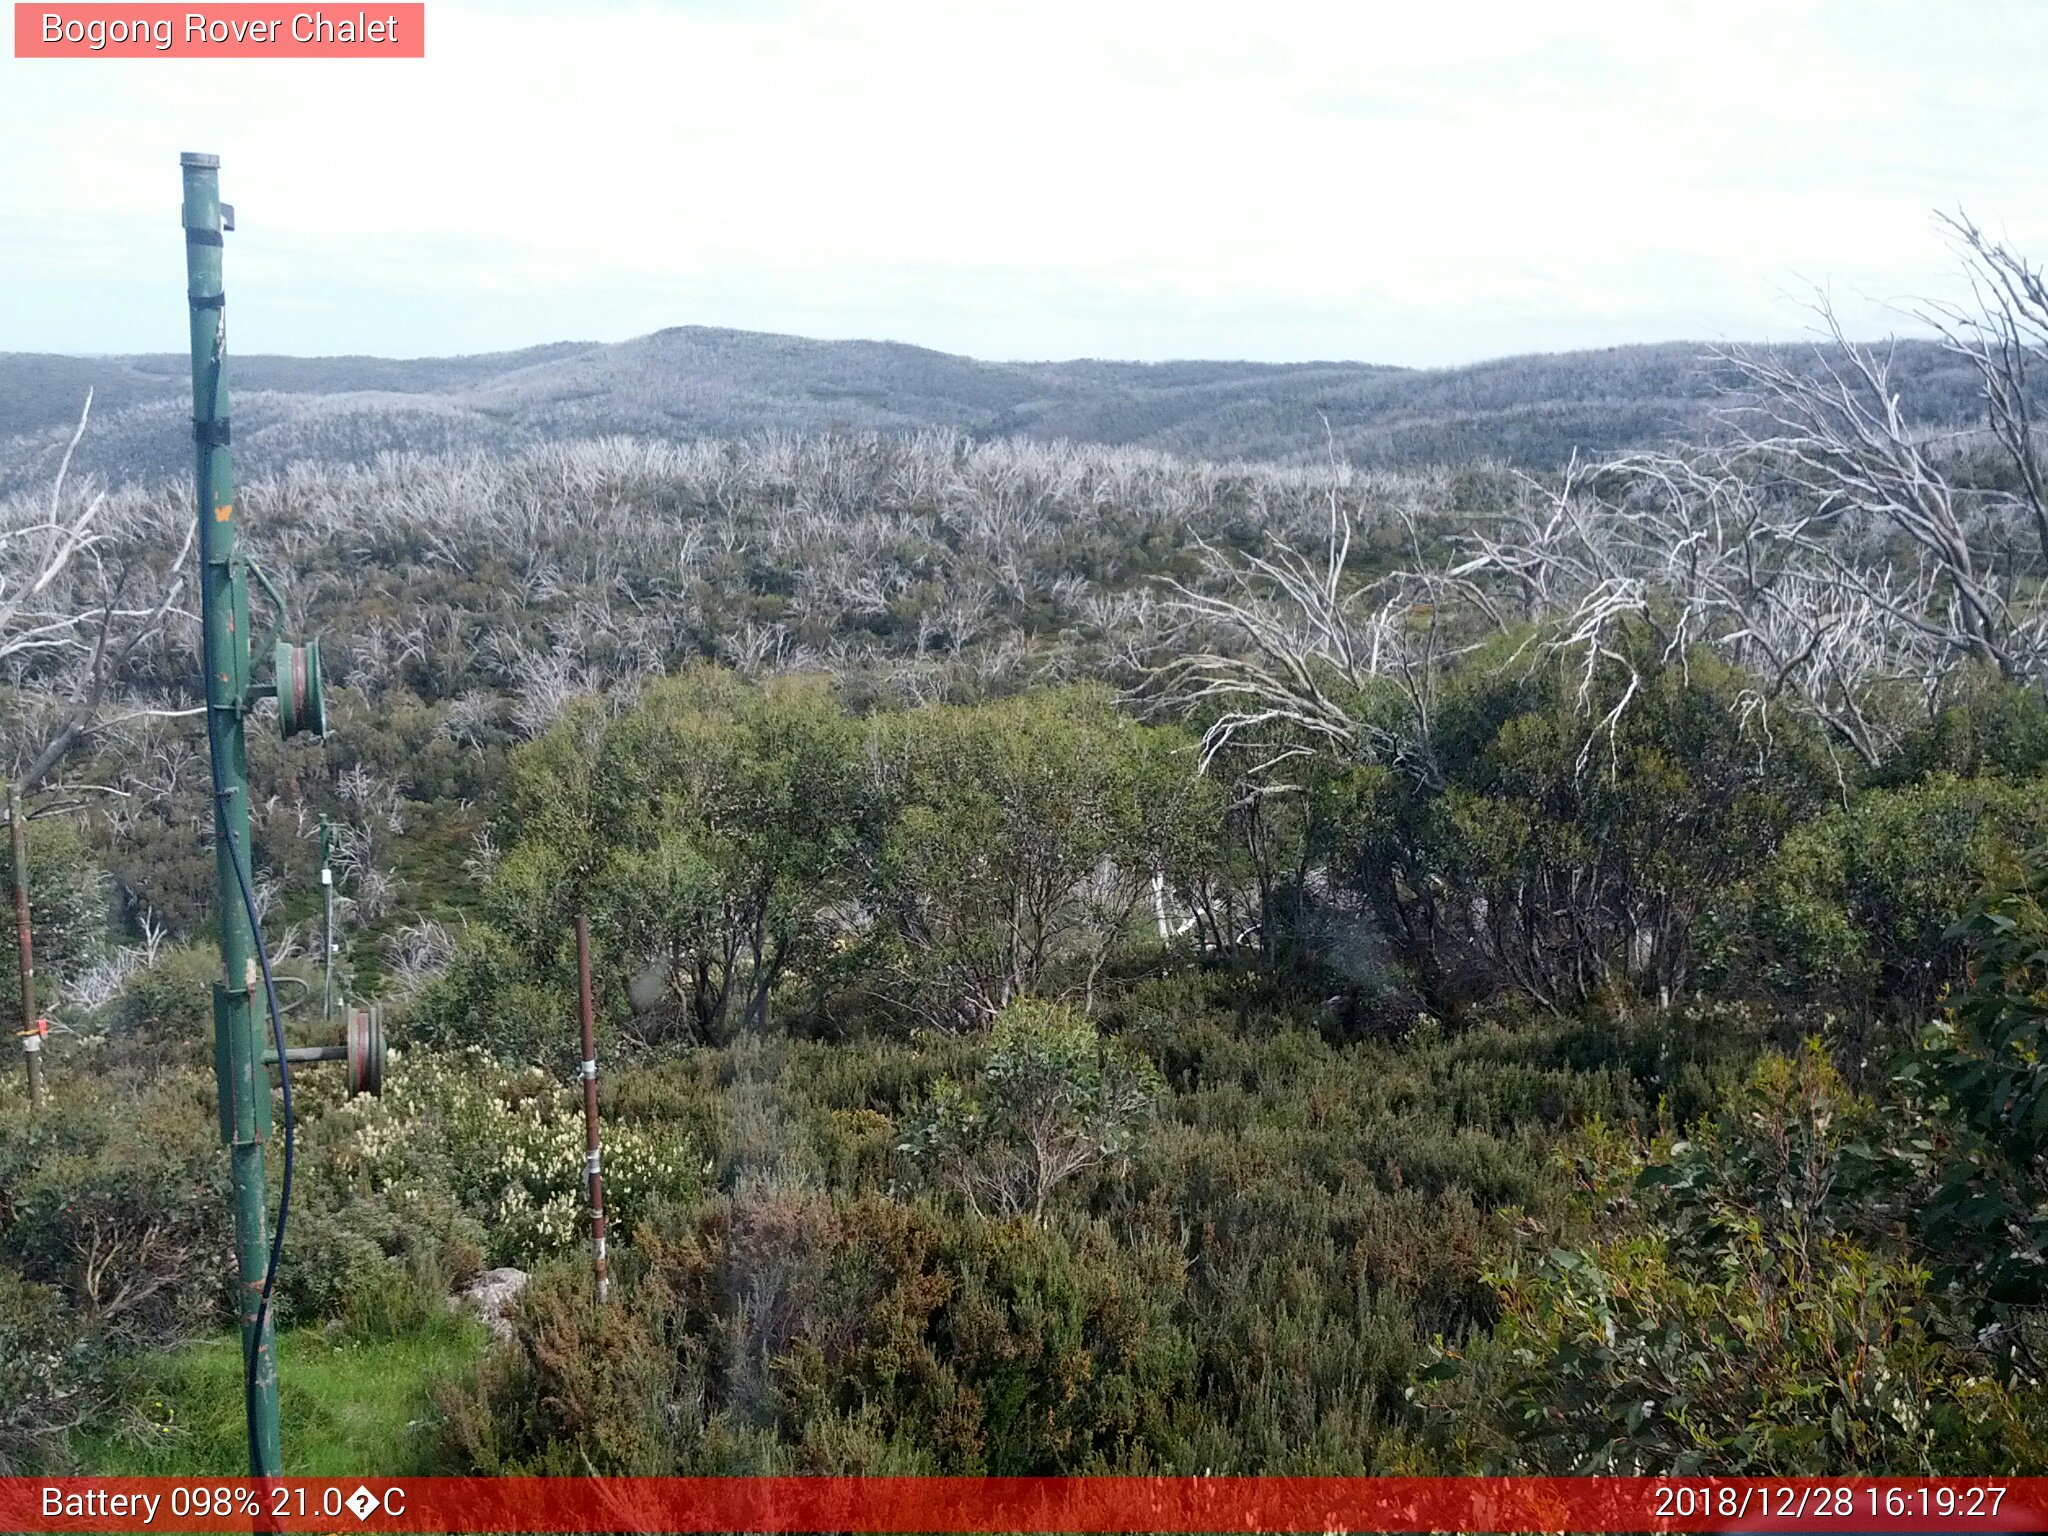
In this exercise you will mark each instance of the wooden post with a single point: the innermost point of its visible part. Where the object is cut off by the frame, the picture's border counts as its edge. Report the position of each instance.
(593, 1157)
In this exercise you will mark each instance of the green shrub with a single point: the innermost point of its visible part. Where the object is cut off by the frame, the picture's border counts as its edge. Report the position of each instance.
(170, 1003)
(793, 1331)
(743, 849)
(1983, 726)
(1980, 1085)
(1568, 846)
(50, 1363)
(1069, 1347)
(1856, 908)
(1248, 1288)
(490, 998)
(115, 1193)
(382, 1268)
(1053, 1099)
(1745, 1305)
(583, 1392)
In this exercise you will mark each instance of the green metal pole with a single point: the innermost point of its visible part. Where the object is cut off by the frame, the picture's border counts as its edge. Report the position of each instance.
(224, 608)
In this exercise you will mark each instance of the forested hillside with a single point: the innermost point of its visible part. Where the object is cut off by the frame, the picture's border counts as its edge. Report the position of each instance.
(692, 382)
(1105, 960)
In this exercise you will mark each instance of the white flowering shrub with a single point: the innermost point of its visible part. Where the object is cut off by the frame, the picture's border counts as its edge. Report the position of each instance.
(510, 1146)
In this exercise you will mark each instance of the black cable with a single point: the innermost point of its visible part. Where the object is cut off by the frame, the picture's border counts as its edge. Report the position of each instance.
(284, 1075)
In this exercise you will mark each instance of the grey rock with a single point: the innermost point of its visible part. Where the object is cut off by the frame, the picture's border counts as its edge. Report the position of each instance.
(490, 1296)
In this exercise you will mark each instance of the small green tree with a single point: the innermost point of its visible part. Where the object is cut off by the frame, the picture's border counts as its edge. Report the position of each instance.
(1021, 842)
(730, 815)
(1053, 1098)
(710, 832)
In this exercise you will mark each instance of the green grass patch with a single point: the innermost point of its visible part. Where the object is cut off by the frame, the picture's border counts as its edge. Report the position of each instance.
(347, 1407)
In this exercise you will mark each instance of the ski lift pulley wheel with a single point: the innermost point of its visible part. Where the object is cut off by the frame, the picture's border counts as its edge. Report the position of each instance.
(301, 692)
(366, 1052)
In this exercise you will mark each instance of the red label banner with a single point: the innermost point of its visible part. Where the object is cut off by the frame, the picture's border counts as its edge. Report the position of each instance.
(1025, 1504)
(240, 31)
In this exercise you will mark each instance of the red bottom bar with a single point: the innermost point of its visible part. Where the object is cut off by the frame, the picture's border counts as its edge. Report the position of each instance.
(1026, 1504)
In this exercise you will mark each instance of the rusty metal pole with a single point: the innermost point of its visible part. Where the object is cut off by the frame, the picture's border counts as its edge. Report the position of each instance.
(326, 924)
(31, 1033)
(593, 1158)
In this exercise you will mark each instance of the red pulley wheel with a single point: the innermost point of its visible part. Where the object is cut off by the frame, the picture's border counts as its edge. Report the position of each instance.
(366, 1053)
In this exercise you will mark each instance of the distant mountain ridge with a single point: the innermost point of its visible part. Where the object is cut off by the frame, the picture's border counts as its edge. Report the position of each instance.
(695, 381)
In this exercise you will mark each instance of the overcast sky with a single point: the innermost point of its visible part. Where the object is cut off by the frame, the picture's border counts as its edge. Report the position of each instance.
(1418, 183)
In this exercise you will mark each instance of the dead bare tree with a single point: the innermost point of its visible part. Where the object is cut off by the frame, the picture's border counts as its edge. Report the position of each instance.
(417, 952)
(1837, 438)
(1829, 546)
(88, 585)
(1281, 648)
(2003, 335)
(1696, 551)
